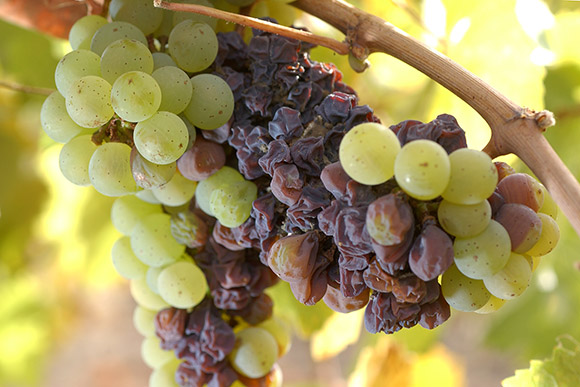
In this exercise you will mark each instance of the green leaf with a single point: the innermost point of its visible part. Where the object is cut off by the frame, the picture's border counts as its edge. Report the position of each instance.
(561, 370)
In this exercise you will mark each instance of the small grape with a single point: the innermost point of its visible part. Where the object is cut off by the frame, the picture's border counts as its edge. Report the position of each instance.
(164, 376)
(150, 175)
(161, 59)
(473, 177)
(182, 284)
(161, 138)
(88, 102)
(56, 122)
(176, 192)
(212, 102)
(140, 13)
(492, 305)
(548, 238)
(280, 330)
(144, 297)
(135, 96)
(255, 352)
(129, 210)
(110, 170)
(73, 66)
(111, 32)
(152, 241)
(367, 153)
(125, 261)
(422, 169)
(522, 224)
(153, 355)
(463, 293)
(511, 281)
(231, 203)
(175, 87)
(206, 187)
(82, 31)
(192, 45)
(523, 189)
(74, 159)
(484, 254)
(464, 221)
(144, 321)
(125, 55)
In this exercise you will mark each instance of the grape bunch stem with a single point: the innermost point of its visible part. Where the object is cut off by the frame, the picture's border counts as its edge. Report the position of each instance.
(514, 129)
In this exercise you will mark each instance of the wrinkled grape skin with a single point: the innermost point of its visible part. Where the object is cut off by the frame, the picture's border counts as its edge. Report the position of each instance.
(388, 219)
(431, 254)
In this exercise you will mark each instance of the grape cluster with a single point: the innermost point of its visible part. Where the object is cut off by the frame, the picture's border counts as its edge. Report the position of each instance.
(238, 164)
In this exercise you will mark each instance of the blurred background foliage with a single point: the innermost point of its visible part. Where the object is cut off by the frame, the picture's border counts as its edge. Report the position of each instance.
(57, 284)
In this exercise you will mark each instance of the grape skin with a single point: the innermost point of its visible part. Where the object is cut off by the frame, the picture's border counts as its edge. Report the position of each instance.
(110, 170)
(73, 66)
(255, 352)
(125, 261)
(125, 55)
(152, 241)
(511, 281)
(135, 96)
(129, 210)
(88, 102)
(182, 284)
(56, 122)
(422, 169)
(484, 254)
(464, 221)
(212, 102)
(473, 177)
(161, 138)
(143, 321)
(74, 159)
(367, 153)
(193, 46)
(82, 31)
(463, 293)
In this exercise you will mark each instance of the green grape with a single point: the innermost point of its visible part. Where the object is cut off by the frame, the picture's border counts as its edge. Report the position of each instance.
(140, 13)
(55, 120)
(135, 96)
(533, 261)
(182, 284)
(150, 175)
(125, 261)
(152, 241)
(88, 103)
(152, 353)
(511, 281)
(164, 376)
(110, 170)
(231, 203)
(144, 321)
(175, 88)
(205, 187)
(147, 196)
(129, 210)
(463, 293)
(125, 55)
(280, 330)
(82, 31)
(549, 206)
(367, 153)
(484, 254)
(548, 238)
(166, 25)
(144, 297)
(116, 30)
(152, 276)
(212, 102)
(73, 66)
(161, 59)
(161, 138)
(74, 159)
(193, 46)
(464, 221)
(473, 177)
(255, 352)
(492, 305)
(176, 192)
(178, 17)
(422, 169)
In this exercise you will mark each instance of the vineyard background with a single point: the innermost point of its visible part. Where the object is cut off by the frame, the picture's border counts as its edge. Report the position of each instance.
(65, 315)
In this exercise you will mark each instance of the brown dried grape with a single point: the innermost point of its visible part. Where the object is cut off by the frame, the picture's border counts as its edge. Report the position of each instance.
(336, 301)
(388, 219)
(293, 256)
(202, 160)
